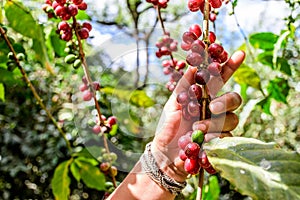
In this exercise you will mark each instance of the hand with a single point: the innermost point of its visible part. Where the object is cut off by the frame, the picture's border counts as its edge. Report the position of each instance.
(172, 125)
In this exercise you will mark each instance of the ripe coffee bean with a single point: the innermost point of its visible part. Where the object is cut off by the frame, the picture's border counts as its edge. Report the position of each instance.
(215, 68)
(72, 10)
(185, 46)
(196, 29)
(97, 129)
(215, 50)
(104, 167)
(202, 77)
(112, 120)
(87, 25)
(198, 46)
(195, 92)
(194, 5)
(64, 26)
(215, 3)
(185, 114)
(212, 37)
(183, 98)
(87, 95)
(191, 166)
(77, 2)
(183, 141)
(223, 56)
(192, 150)
(211, 170)
(194, 109)
(83, 87)
(96, 85)
(203, 160)
(182, 155)
(189, 37)
(83, 33)
(82, 6)
(194, 59)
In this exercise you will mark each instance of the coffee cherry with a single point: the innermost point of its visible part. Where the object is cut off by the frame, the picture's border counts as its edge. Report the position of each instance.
(194, 59)
(195, 92)
(183, 141)
(69, 59)
(113, 171)
(64, 26)
(194, 5)
(189, 37)
(77, 63)
(223, 56)
(191, 166)
(104, 167)
(203, 160)
(215, 3)
(198, 46)
(182, 155)
(194, 109)
(192, 150)
(61, 2)
(87, 25)
(87, 95)
(77, 2)
(66, 36)
(198, 137)
(202, 77)
(185, 46)
(183, 98)
(180, 65)
(185, 114)
(112, 120)
(82, 6)
(83, 33)
(210, 170)
(83, 87)
(97, 129)
(212, 37)
(61, 10)
(96, 85)
(196, 29)
(215, 50)
(72, 9)
(215, 68)
(84, 80)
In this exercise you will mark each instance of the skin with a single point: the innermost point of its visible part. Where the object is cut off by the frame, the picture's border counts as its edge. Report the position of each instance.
(138, 185)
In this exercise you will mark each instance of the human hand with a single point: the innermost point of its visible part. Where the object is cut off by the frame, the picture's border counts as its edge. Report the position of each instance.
(172, 125)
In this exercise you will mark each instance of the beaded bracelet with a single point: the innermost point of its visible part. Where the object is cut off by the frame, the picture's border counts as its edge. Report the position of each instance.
(151, 168)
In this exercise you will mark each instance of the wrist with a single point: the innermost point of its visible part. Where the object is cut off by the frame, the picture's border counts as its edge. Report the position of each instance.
(173, 169)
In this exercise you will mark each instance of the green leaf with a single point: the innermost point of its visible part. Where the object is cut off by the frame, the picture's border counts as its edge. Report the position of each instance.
(257, 169)
(91, 161)
(57, 44)
(21, 20)
(247, 75)
(2, 92)
(265, 40)
(61, 181)
(137, 97)
(82, 15)
(7, 77)
(265, 104)
(75, 170)
(283, 66)
(211, 191)
(92, 176)
(278, 89)
(266, 58)
(278, 45)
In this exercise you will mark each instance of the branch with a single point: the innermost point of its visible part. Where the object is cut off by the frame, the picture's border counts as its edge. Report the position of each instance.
(32, 88)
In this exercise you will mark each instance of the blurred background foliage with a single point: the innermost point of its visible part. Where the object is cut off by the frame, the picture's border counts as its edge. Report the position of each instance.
(31, 147)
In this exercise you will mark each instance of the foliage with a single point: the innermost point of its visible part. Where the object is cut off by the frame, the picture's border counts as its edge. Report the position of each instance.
(35, 161)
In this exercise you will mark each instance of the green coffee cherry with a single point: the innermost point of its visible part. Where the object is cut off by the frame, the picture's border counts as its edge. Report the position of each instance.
(77, 63)
(11, 65)
(70, 58)
(67, 50)
(197, 136)
(21, 56)
(10, 56)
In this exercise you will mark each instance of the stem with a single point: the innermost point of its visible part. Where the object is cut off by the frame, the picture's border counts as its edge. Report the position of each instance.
(32, 88)
(90, 83)
(205, 100)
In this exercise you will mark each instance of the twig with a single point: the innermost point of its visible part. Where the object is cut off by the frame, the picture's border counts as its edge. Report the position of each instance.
(90, 83)
(32, 88)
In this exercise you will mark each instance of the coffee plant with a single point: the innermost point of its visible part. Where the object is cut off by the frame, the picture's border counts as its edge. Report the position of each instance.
(64, 115)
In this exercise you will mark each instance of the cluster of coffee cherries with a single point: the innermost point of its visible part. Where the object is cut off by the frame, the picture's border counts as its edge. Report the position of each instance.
(65, 10)
(166, 45)
(191, 153)
(215, 53)
(160, 3)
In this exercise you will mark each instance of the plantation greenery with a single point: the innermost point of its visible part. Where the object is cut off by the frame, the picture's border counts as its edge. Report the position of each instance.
(40, 161)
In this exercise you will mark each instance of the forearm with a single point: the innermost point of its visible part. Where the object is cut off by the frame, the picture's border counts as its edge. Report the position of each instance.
(138, 185)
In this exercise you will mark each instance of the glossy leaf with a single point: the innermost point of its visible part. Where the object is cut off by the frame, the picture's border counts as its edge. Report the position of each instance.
(91, 175)
(247, 75)
(75, 170)
(265, 40)
(20, 18)
(257, 169)
(278, 89)
(61, 181)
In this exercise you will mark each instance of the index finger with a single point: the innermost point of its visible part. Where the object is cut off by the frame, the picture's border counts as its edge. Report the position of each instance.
(217, 82)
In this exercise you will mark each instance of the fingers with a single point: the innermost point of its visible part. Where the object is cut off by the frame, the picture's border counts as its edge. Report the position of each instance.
(217, 82)
(186, 80)
(221, 123)
(227, 102)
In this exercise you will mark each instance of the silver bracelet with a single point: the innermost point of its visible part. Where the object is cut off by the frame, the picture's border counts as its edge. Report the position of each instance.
(151, 168)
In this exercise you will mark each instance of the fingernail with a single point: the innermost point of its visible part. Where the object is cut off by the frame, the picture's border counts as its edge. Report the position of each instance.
(217, 107)
(199, 126)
